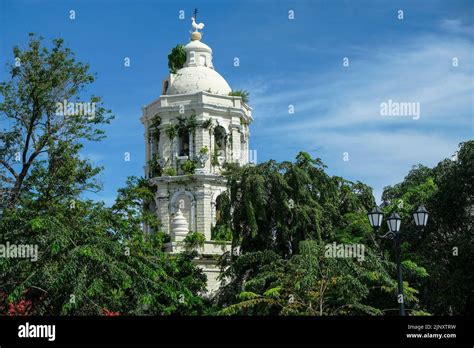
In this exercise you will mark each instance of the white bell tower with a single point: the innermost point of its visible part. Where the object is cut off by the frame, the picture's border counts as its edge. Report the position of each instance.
(191, 130)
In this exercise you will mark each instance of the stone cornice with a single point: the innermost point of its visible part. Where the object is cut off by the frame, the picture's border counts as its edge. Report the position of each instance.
(196, 101)
(197, 178)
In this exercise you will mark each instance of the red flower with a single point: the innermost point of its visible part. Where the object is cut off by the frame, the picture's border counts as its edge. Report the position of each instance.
(22, 307)
(108, 313)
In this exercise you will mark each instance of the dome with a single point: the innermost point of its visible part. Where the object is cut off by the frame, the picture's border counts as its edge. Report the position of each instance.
(197, 79)
(198, 74)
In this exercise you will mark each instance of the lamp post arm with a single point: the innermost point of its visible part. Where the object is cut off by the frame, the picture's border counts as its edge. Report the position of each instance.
(388, 235)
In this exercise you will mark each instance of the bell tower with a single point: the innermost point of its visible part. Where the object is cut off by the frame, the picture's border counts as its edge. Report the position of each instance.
(191, 130)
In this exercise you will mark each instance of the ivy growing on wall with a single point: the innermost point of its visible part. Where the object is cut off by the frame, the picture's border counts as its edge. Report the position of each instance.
(154, 167)
(155, 127)
(171, 131)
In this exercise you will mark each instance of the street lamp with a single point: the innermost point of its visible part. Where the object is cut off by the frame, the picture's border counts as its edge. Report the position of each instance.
(375, 217)
(394, 223)
(421, 216)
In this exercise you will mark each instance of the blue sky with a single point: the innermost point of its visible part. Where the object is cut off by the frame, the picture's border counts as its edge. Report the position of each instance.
(282, 62)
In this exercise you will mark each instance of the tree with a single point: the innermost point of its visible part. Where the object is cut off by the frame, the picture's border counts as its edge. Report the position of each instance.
(43, 81)
(444, 248)
(277, 205)
(176, 59)
(311, 284)
(284, 216)
(94, 259)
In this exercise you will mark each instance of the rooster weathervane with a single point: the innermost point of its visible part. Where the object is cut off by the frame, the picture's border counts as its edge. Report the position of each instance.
(195, 25)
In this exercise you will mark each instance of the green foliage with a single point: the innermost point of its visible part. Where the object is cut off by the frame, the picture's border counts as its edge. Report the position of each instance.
(194, 240)
(413, 267)
(263, 217)
(170, 171)
(308, 283)
(222, 230)
(191, 123)
(207, 124)
(100, 257)
(241, 93)
(46, 77)
(171, 131)
(283, 216)
(186, 125)
(188, 167)
(154, 127)
(215, 157)
(443, 249)
(176, 59)
(155, 168)
(204, 150)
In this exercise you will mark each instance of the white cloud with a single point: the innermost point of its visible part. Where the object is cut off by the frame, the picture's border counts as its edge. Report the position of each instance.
(340, 110)
(456, 26)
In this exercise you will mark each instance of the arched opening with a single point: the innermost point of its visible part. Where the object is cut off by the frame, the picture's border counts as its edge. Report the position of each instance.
(155, 225)
(184, 201)
(155, 141)
(183, 144)
(165, 87)
(220, 141)
(221, 229)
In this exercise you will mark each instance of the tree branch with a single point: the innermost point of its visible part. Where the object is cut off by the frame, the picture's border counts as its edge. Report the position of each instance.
(9, 168)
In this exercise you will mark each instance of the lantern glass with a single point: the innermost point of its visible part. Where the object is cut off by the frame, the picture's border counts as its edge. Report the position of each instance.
(375, 217)
(394, 222)
(421, 216)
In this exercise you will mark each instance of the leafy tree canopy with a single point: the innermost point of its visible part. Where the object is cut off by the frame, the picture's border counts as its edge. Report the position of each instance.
(444, 248)
(284, 217)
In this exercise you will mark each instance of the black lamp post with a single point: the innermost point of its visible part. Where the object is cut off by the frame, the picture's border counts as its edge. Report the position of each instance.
(394, 223)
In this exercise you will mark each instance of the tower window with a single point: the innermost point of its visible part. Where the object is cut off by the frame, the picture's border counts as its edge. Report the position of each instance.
(202, 60)
(220, 140)
(165, 87)
(192, 57)
(184, 145)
